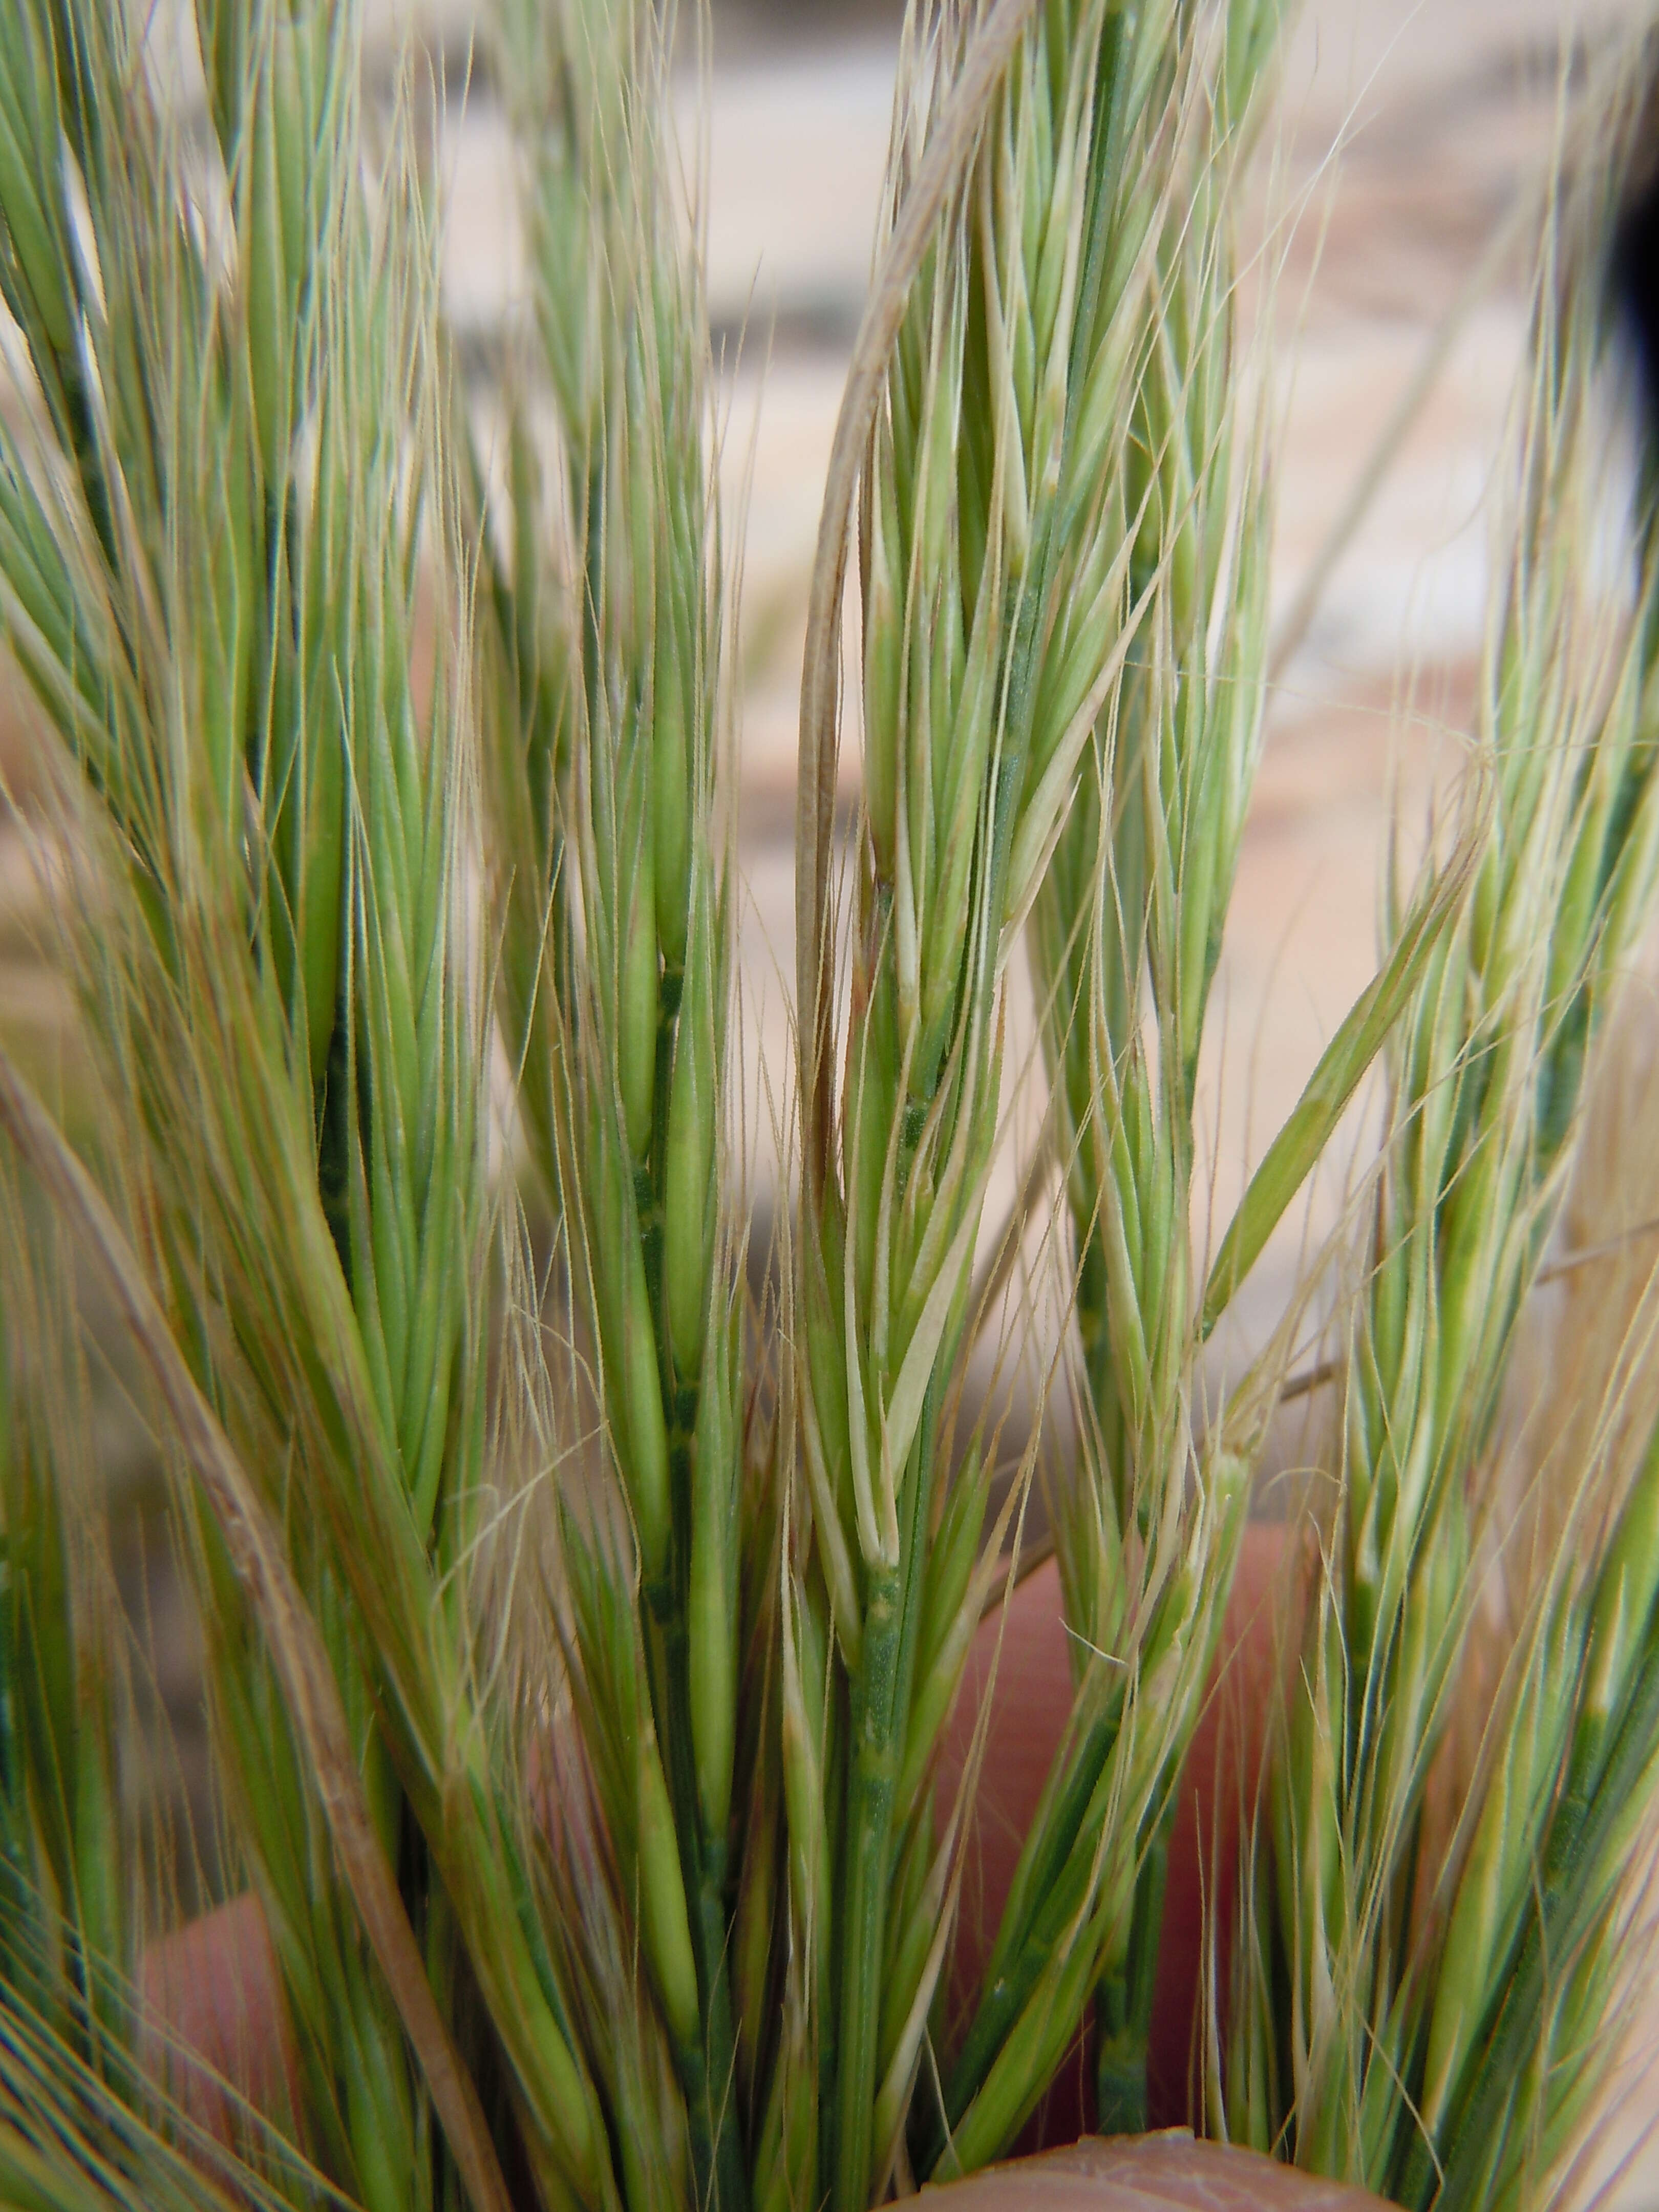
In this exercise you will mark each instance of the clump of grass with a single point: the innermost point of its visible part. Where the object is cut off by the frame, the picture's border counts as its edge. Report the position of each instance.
(580, 1646)
(280, 987)
(1440, 2029)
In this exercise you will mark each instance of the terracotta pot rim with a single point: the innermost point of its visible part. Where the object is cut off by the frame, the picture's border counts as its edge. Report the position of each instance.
(1169, 2172)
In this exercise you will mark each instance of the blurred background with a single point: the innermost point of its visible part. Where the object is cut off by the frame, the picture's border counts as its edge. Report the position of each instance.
(1392, 241)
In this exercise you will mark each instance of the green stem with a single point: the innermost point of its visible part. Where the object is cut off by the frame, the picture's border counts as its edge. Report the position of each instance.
(710, 1937)
(837, 1795)
(1123, 2002)
(881, 1699)
(709, 2075)
(1051, 1886)
(871, 1784)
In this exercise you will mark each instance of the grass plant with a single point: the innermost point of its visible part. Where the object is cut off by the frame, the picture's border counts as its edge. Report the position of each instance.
(581, 1628)
(1433, 2037)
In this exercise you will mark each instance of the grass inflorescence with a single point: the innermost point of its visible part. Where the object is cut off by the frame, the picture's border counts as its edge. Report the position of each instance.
(582, 1626)
(1440, 1955)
